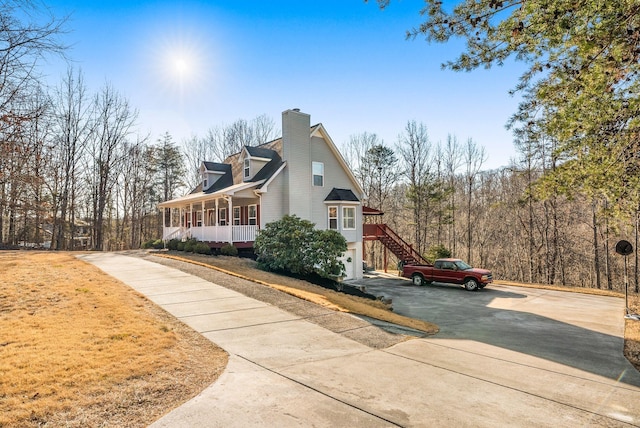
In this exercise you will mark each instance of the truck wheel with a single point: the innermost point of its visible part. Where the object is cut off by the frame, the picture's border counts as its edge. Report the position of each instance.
(417, 279)
(471, 284)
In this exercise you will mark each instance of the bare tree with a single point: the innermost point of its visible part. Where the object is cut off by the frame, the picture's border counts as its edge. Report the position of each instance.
(452, 161)
(135, 192)
(226, 140)
(195, 150)
(474, 157)
(73, 127)
(354, 152)
(414, 148)
(114, 123)
(28, 33)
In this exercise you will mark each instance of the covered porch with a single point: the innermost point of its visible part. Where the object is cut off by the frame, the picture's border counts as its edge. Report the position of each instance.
(215, 219)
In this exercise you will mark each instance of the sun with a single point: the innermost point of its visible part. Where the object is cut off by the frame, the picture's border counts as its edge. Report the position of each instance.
(178, 64)
(181, 66)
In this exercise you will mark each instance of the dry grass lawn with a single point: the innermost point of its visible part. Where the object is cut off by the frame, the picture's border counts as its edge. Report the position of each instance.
(78, 348)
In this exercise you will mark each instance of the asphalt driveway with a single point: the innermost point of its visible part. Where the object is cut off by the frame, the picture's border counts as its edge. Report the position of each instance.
(571, 329)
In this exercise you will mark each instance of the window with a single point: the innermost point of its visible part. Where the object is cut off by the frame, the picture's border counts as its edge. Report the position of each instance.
(189, 217)
(211, 217)
(348, 218)
(318, 173)
(253, 215)
(198, 218)
(247, 168)
(236, 216)
(222, 216)
(333, 218)
(205, 183)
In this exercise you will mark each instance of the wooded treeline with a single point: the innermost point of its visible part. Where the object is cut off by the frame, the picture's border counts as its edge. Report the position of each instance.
(437, 195)
(75, 174)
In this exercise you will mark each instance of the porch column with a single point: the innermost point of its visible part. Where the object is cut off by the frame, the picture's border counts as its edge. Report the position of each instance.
(217, 219)
(231, 218)
(204, 215)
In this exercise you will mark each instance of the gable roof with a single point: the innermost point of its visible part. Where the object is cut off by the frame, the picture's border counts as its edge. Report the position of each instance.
(259, 152)
(225, 180)
(319, 130)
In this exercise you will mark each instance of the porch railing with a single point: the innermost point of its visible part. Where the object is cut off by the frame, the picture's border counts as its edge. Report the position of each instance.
(244, 233)
(174, 233)
(213, 233)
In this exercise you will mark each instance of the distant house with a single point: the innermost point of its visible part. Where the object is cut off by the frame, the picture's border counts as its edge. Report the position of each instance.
(301, 173)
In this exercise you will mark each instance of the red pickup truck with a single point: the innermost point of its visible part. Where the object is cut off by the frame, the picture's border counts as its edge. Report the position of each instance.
(448, 270)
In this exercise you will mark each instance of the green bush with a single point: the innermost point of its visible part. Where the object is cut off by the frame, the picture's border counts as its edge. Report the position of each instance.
(437, 252)
(189, 245)
(158, 244)
(173, 244)
(201, 248)
(148, 244)
(180, 246)
(294, 245)
(229, 250)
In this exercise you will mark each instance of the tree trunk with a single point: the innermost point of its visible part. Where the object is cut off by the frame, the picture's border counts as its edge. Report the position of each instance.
(596, 256)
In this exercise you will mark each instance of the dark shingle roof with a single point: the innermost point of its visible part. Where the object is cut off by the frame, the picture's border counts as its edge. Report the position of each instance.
(225, 181)
(259, 152)
(215, 166)
(269, 169)
(342, 195)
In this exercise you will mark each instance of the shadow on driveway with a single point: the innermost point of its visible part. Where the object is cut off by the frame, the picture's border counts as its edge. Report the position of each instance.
(576, 330)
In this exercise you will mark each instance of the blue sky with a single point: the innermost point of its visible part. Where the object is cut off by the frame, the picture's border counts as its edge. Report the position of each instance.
(188, 66)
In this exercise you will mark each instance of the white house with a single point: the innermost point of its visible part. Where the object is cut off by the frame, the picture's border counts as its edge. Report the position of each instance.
(301, 173)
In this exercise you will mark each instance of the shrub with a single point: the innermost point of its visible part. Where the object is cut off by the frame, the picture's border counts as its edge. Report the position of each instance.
(180, 246)
(158, 244)
(148, 244)
(173, 244)
(229, 250)
(294, 245)
(201, 248)
(189, 245)
(437, 252)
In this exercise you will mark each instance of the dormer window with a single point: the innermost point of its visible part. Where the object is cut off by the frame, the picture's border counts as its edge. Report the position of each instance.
(205, 183)
(247, 168)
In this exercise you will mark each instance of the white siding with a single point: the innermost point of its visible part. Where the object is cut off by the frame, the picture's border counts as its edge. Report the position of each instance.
(272, 202)
(334, 176)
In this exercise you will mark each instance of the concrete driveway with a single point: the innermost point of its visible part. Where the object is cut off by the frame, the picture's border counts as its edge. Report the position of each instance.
(287, 371)
(577, 331)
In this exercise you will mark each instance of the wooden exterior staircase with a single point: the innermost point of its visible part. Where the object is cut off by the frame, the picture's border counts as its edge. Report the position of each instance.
(393, 242)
